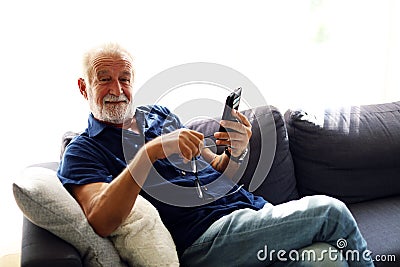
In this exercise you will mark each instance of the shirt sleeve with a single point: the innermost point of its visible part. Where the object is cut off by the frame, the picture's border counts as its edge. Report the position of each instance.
(83, 163)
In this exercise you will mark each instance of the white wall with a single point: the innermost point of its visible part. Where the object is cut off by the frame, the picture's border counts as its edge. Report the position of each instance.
(305, 52)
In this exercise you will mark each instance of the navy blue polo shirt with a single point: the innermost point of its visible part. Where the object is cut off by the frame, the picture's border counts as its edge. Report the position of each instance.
(102, 151)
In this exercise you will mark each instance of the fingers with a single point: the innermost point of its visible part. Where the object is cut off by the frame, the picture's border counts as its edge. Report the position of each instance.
(238, 128)
(242, 118)
(237, 139)
(192, 133)
(190, 143)
(184, 142)
(239, 125)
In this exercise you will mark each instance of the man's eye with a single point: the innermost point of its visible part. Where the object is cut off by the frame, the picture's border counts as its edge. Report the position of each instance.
(105, 79)
(125, 80)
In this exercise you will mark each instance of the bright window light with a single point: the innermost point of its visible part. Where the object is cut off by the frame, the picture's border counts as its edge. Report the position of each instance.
(298, 53)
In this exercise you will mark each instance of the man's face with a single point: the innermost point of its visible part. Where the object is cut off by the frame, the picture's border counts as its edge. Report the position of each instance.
(110, 91)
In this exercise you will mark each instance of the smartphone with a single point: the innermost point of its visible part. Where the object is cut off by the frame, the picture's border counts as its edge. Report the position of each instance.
(232, 102)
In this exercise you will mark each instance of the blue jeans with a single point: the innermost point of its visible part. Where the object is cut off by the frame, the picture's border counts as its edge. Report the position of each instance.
(276, 234)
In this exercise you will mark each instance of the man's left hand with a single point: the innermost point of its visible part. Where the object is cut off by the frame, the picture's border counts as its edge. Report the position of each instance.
(238, 139)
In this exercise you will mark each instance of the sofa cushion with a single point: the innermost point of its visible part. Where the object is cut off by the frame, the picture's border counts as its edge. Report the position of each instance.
(45, 202)
(378, 221)
(351, 153)
(270, 163)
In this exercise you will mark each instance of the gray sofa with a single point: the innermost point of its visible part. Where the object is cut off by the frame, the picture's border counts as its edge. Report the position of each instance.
(352, 154)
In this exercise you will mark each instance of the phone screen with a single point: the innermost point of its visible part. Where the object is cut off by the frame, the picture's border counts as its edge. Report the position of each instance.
(232, 102)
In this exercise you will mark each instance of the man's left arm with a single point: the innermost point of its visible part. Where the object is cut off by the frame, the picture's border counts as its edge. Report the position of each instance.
(236, 142)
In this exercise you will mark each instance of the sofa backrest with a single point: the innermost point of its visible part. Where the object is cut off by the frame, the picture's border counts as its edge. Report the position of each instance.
(351, 153)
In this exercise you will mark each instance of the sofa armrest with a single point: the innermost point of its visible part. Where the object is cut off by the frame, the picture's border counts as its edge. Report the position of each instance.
(42, 248)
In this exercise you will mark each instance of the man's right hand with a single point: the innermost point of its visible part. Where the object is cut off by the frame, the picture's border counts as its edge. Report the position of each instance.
(184, 142)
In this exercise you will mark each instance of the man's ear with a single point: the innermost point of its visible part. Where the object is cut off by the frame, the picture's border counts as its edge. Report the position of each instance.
(82, 87)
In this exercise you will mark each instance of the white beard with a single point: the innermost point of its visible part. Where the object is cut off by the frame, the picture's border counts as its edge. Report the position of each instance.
(115, 113)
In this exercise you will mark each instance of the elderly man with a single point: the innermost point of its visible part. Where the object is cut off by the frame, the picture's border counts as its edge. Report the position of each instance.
(125, 152)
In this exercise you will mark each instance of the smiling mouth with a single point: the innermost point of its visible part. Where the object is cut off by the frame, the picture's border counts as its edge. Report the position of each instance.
(116, 102)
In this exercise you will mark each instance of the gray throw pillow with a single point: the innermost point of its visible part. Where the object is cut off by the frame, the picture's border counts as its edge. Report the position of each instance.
(45, 202)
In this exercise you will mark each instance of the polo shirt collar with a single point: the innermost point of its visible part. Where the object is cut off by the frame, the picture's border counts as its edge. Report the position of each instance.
(95, 126)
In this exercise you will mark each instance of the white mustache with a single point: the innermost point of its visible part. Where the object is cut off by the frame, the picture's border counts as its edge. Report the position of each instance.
(113, 98)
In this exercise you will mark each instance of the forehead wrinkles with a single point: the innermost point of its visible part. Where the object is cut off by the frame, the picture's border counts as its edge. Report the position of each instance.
(106, 62)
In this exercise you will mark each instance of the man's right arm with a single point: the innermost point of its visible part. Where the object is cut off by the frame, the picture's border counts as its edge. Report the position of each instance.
(107, 205)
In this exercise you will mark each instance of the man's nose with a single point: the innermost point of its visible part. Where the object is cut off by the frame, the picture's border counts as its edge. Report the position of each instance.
(115, 88)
